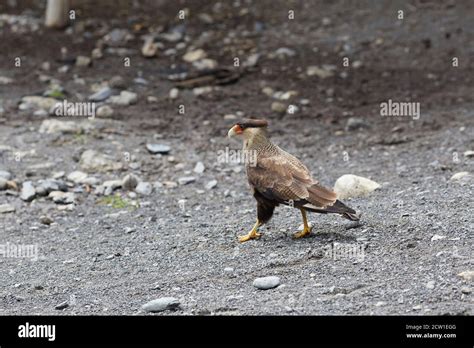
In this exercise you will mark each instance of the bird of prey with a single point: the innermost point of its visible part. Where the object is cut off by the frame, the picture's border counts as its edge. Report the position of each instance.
(277, 177)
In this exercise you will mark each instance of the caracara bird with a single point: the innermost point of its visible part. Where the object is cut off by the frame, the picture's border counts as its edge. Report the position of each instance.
(276, 177)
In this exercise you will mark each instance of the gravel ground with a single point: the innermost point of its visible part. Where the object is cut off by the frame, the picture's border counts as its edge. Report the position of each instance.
(110, 256)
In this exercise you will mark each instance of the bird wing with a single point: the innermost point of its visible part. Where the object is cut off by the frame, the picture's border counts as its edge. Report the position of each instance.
(283, 178)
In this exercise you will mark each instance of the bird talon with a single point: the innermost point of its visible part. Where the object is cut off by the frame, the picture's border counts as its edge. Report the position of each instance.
(251, 235)
(301, 234)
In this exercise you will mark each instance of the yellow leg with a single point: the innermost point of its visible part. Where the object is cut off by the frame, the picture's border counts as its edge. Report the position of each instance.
(253, 234)
(306, 227)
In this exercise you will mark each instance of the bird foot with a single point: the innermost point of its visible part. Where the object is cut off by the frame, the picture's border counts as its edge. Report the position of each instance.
(301, 234)
(249, 236)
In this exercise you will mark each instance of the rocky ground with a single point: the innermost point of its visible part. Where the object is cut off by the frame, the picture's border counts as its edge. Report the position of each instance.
(137, 204)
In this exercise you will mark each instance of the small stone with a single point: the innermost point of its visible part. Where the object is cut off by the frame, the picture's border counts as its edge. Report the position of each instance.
(278, 107)
(161, 304)
(174, 93)
(130, 182)
(199, 168)
(205, 64)
(251, 60)
(185, 180)
(144, 188)
(125, 98)
(7, 208)
(149, 48)
(266, 283)
(101, 95)
(110, 186)
(323, 73)
(211, 184)
(430, 285)
(77, 177)
(192, 56)
(44, 187)
(461, 176)
(62, 305)
(37, 102)
(46, 220)
(5, 80)
(228, 270)
(65, 127)
(28, 192)
(129, 230)
(284, 52)
(354, 123)
(104, 111)
(97, 53)
(94, 161)
(202, 90)
(5, 175)
(60, 197)
(83, 61)
(466, 290)
(357, 64)
(349, 185)
(469, 154)
(380, 304)
(158, 148)
(467, 275)
(437, 237)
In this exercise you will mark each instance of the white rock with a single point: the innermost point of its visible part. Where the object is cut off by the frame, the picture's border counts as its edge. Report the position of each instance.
(125, 98)
(104, 111)
(266, 283)
(161, 304)
(174, 93)
(6, 208)
(430, 284)
(461, 176)
(199, 168)
(3, 183)
(192, 56)
(467, 275)
(83, 61)
(110, 186)
(94, 161)
(205, 64)
(349, 185)
(149, 48)
(56, 126)
(61, 197)
(186, 180)
(77, 177)
(202, 90)
(437, 237)
(211, 184)
(37, 102)
(283, 52)
(5, 80)
(324, 72)
(278, 107)
(469, 153)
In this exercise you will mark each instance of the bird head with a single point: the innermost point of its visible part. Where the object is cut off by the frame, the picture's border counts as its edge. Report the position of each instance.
(247, 128)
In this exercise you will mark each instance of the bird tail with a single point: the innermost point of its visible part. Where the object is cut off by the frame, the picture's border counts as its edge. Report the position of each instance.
(337, 208)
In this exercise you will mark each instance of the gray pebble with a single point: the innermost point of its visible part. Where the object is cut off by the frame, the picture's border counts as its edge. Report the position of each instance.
(5, 175)
(101, 95)
(144, 188)
(28, 191)
(6, 208)
(186, 180)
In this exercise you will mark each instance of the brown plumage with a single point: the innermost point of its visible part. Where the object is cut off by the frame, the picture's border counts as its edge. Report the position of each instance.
(278, 177)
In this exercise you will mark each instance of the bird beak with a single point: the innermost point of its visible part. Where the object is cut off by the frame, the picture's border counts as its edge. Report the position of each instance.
(234, 131)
